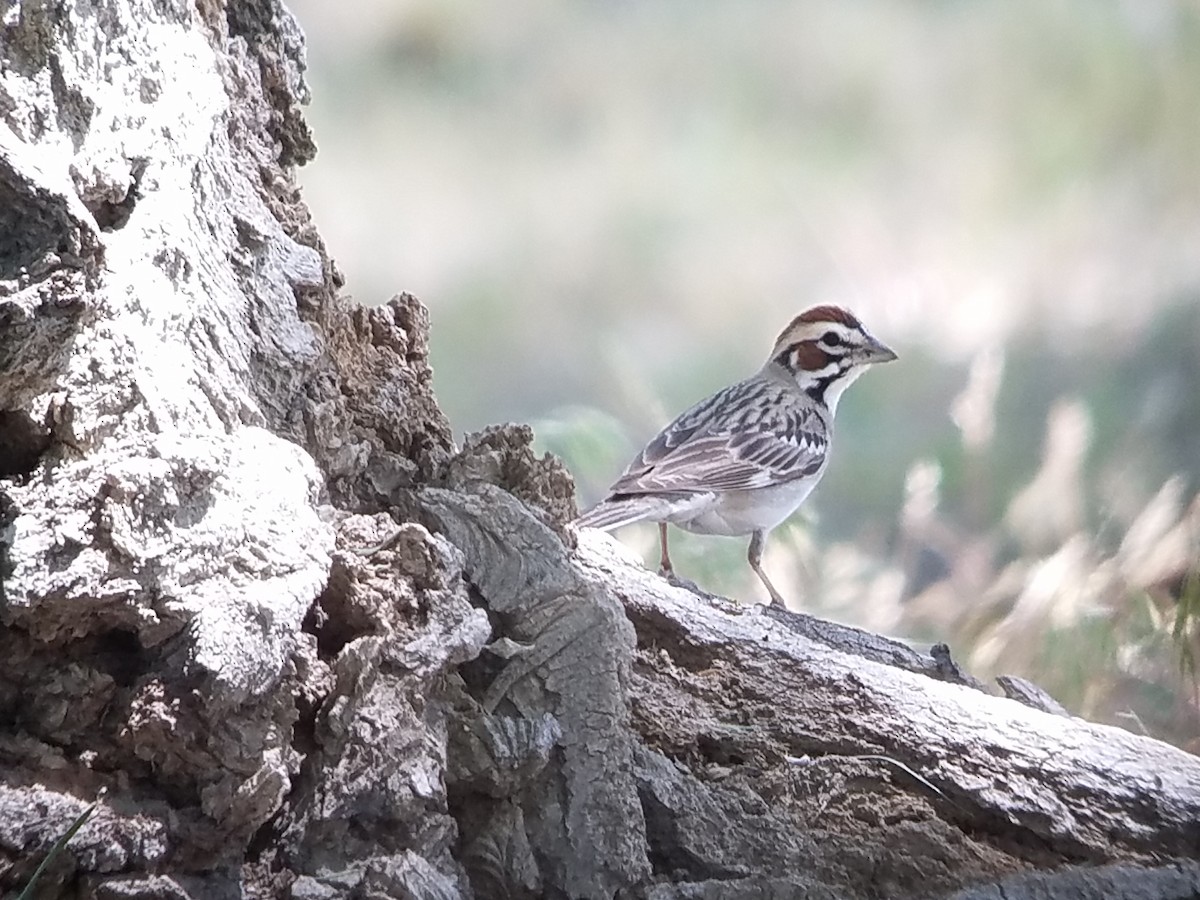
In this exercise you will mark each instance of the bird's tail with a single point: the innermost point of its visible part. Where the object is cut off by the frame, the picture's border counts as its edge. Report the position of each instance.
(617, 511)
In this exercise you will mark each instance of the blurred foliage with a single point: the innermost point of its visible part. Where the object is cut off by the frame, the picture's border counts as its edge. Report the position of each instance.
(611, 209)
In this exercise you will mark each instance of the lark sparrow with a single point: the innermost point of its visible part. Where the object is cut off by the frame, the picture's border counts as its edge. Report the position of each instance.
(743, 460)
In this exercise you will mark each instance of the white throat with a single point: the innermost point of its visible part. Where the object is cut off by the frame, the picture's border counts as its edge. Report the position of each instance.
(833, 393)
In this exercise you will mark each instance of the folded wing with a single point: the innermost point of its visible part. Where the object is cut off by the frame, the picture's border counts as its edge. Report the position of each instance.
(730, 442)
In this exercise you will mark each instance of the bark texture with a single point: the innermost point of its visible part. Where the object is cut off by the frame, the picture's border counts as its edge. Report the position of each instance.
(300, 645)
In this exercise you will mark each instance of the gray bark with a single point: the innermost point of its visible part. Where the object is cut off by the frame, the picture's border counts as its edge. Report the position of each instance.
(253, 598)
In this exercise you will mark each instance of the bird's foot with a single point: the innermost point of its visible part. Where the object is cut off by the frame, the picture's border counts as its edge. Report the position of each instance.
(676, 580)
(776, 610)
(772, 609)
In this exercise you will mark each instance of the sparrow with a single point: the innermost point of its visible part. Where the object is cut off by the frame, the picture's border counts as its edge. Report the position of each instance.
(743, 460)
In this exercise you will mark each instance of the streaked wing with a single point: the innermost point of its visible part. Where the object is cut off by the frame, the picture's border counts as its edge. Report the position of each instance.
(749, 436)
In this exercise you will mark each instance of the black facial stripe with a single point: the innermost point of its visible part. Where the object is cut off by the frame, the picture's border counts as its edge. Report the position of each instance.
(817, 388)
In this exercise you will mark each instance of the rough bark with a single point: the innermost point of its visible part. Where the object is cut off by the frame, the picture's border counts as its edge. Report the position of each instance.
(252, 594)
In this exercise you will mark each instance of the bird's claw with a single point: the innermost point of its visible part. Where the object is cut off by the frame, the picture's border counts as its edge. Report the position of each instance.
(676, 580)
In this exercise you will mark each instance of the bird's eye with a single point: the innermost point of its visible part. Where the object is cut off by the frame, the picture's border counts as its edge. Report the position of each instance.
(832, 339)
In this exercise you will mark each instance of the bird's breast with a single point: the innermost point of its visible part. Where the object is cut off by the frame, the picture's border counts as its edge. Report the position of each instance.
(743, 512)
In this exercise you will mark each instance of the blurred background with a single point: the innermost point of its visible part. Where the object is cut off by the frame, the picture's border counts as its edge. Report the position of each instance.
(611, 209)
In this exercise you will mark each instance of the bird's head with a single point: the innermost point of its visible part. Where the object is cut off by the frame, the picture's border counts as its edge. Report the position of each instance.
(824, 349)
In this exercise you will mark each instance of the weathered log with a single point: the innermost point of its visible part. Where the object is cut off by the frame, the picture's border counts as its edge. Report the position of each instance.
(762, 751)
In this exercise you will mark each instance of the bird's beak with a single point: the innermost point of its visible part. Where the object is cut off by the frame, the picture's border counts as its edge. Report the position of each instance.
(875, 351)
